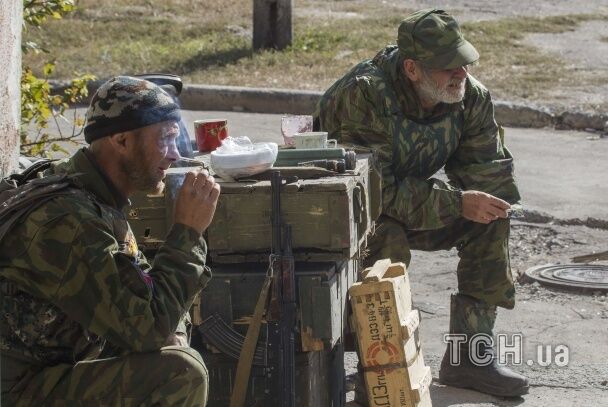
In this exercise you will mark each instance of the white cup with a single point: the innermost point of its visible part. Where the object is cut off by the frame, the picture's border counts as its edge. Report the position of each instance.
(313, 139)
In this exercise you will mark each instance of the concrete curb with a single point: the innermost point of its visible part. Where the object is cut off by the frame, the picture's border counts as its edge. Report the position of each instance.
(293, 101)
(257, 100)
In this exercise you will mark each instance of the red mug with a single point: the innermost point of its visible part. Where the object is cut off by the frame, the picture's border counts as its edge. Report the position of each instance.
(210, 133)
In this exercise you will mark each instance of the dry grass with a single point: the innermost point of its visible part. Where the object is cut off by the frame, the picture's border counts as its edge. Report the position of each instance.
(209, 42)
(514, 68)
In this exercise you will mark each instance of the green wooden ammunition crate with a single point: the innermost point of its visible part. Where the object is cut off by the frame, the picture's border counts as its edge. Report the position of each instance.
(318, 382)
(322, 290)
(149, 217)
(329, 216)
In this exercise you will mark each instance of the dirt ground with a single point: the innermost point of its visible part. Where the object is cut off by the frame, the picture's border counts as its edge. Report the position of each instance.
(467, 10)
(585, 50)
(573, 319)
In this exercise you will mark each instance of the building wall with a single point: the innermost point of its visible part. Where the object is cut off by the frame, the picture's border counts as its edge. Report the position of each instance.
(10, 73)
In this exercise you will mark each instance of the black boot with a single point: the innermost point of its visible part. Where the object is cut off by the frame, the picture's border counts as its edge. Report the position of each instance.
(470, 317)
(491, 379)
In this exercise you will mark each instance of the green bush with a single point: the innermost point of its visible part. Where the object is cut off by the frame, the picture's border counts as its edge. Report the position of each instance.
(39, 106)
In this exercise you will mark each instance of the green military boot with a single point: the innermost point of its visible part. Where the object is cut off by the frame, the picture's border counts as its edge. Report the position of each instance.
(469, 316)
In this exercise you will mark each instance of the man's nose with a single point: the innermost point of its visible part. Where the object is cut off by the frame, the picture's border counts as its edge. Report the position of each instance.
(461, 72)
(173, 152)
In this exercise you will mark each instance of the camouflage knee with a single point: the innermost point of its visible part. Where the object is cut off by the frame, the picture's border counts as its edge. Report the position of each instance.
(189, 383)
(389, 241)
(171, 376)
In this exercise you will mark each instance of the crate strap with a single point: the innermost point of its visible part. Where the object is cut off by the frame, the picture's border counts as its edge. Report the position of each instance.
(243, 368)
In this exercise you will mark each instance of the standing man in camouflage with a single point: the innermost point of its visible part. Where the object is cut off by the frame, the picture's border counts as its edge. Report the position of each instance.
(418, 109)
(85, 319)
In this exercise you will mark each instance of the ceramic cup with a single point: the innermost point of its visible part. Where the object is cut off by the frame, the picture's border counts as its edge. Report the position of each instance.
(210, 133)
(313, 139)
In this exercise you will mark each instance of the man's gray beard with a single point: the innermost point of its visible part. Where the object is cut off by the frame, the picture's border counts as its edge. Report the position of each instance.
(138, 174)
(144, 181)
(429, 91)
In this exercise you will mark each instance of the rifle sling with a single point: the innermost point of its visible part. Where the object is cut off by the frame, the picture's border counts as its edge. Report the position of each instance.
(243, 367)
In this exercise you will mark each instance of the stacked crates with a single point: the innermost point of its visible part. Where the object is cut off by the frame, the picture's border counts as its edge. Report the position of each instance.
(330, 218)
(227, 305)
(388, 339)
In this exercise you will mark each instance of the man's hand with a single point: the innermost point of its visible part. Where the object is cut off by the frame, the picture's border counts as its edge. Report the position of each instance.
(177, 339)
(196, 200)
(483, 208)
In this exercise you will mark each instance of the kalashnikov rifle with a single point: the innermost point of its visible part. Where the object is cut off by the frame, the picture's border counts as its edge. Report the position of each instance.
(280, 317)
(283, 300)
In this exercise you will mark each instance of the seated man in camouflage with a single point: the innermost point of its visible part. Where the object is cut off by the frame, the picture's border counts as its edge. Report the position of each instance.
(417, 108)
(85, 319)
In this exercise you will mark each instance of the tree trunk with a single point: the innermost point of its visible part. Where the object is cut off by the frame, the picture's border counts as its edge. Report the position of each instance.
(272, 24)
(11, 17)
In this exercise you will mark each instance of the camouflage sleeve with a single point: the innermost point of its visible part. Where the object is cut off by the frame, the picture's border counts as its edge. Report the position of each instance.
(107, 291)
(482, 162)
(139, 314)
(359, 116)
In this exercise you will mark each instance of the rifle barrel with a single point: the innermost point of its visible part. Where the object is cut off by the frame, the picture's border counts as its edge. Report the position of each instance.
(275, 188)
(286, 299)
(288, 319)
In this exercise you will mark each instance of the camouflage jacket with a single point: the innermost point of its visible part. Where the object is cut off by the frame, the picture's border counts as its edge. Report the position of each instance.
(78, 280)
(374, 105)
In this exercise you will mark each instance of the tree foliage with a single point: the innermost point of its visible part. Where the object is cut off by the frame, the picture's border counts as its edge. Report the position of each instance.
(39, 106)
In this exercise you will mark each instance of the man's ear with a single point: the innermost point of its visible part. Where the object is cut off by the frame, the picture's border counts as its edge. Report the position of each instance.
(120, 142)
(411, 70)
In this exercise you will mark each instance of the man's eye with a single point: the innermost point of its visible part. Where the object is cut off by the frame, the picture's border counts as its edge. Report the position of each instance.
(169, 137)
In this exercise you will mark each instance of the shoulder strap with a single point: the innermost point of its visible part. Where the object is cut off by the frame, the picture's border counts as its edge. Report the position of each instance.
(243, 367)
(31, 171)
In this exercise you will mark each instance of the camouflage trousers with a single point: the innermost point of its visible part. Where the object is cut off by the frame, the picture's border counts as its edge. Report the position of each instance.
(484, 271)
(172, 376)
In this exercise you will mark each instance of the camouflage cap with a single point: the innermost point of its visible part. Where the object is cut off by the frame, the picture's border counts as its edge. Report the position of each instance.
(433, 37)
(125, 103)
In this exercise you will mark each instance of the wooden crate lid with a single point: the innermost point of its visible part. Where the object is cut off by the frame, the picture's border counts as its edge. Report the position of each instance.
(339, 182)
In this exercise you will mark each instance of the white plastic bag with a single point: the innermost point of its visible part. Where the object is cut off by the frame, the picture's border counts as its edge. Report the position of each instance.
(239, 157)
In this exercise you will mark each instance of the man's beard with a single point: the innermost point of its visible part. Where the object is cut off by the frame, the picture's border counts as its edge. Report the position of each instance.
(141, 174)
(429, 91)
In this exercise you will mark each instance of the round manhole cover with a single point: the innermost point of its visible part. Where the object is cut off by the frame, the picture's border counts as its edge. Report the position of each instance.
(588, 277)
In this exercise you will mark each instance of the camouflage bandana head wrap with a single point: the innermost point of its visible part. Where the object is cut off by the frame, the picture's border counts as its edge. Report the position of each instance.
(433, 37)
(125, 103)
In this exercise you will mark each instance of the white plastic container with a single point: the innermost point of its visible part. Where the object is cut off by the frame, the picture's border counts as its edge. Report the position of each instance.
(239, 157)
